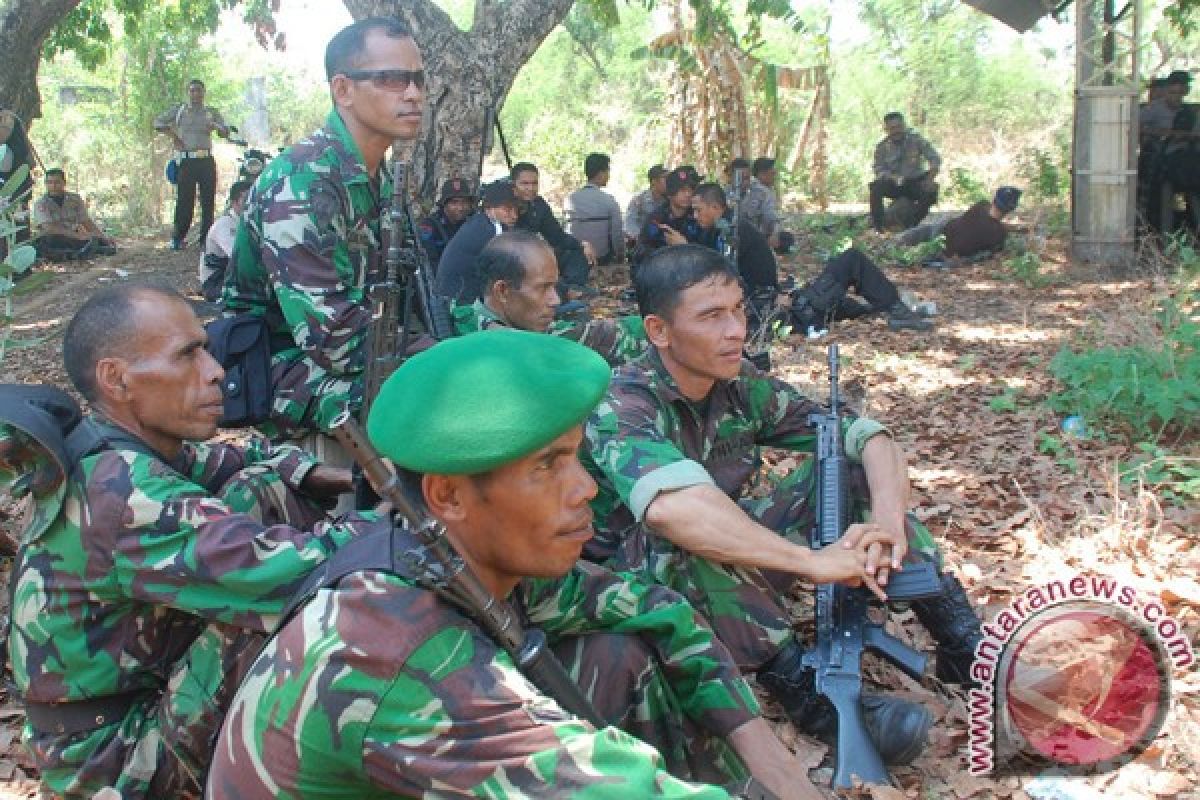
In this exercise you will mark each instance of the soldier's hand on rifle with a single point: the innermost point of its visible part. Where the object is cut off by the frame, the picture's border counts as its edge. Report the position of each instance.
(845, 561)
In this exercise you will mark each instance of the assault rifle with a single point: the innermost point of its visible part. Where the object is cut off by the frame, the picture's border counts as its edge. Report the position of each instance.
(844, 629)
(406, 284)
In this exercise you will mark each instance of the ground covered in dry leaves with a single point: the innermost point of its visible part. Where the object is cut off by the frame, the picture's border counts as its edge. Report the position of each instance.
(966, 401)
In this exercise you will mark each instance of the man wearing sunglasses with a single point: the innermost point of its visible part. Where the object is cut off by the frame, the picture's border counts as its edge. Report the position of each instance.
(310, 239)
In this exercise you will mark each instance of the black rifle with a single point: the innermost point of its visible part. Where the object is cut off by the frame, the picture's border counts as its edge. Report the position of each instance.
(405, 251)
(844, 629)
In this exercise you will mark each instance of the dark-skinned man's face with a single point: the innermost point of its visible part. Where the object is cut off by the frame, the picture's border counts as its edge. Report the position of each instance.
(56, 185)
(526, 185)
(457, 208)
(895, 129)
(530, 307)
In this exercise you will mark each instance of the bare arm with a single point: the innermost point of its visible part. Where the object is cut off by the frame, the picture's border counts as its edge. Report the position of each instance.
(887, 477)
(771, 763)
(702, 520)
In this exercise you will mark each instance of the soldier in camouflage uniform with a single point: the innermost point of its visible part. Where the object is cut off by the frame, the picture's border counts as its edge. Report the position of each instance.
(311, 242)
(675, 449)
(519, 276)
(906, 166)
(137, 607)
(381, 687)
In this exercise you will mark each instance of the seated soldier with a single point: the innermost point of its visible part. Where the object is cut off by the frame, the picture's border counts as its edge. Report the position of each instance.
(593, 216)
(755, 261)
(672, 222)
(62, 228)
(643, 204)
(675, 448)
(575, 258)
(381, 686)
(978, 231)
(906, 166)
(457, 276)
(218, 244)
(760, 206)
(137, 608)
(455, 204)
(519, 278)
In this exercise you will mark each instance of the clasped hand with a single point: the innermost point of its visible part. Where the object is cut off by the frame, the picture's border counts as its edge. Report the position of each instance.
(867, 554)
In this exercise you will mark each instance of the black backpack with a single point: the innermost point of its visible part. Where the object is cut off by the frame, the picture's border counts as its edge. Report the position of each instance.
(242, 345)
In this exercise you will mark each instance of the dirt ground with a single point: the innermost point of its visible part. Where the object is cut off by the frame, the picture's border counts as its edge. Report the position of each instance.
(1009, 515)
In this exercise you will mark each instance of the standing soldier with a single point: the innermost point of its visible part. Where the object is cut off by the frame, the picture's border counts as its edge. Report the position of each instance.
(137, 607)
(384, 686)
(190, 126)
(310, 243)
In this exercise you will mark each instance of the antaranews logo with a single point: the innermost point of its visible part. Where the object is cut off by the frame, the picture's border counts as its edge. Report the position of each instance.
(1073, 675)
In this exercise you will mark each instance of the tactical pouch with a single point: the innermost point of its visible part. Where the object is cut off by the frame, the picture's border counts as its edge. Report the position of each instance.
(242, 345)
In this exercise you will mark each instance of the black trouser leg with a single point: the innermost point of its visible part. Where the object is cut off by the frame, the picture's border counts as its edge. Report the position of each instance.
(573, 267)
(207, 180)
(854, 270)
(880, 190)
(185, 196)
(58, 246)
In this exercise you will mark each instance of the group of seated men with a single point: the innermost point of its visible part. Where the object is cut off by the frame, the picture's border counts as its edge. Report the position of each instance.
(1169, 158)
(191, 617)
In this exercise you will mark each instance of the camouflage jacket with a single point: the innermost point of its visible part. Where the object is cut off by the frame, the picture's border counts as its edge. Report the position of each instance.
(640, 207)
(619, 340)
(906, 159)
(309, 243)
(379, 688)
(113, 590)
(760, 208)
(646, 437)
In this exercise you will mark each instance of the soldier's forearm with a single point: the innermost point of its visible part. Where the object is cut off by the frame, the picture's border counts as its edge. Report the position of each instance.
(704, 521)
(887, 476)
(771, 763)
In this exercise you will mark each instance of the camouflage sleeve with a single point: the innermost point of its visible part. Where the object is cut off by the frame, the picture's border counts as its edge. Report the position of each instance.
(211, 464)
(337, 705)
(626, 440)
(931, 155)
(784, 416)
(172, 543)
(306, 252)
(699, 669)
(619, 341)
(880, 164)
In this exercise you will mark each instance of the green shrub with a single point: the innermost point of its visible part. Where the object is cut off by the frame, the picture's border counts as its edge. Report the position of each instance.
(1026, 267)
(1140, 390)
(965, 186)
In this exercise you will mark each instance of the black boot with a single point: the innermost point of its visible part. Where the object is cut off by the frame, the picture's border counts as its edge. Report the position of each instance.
(954, 625)
(902, 318)
(897, 727)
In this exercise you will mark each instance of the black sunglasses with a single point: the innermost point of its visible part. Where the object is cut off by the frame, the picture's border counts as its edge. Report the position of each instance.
(389, 80)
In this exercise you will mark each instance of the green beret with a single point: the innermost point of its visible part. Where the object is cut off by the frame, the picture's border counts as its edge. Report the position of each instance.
(473, 403)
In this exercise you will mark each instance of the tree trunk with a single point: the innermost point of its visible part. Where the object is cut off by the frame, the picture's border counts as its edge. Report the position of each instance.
(24, 26)
(467, 73)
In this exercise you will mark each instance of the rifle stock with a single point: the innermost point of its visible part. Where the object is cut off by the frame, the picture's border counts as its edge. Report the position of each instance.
(844, 627)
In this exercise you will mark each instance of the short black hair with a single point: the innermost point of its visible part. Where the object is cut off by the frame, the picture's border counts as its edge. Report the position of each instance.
(711, 193)
(238, 189)
(101, 327)
(56, 171)
(738, 163)
(594, 164)
(196, 82)
(663, 277)
(503, 258)
(891, 115)
(344, 51)
(521, 166)
(761, 165)
(1180, 77)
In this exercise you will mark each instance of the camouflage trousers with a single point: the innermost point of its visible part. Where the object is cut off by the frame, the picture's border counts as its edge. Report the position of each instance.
(163, 745)
(742, 604)
(621, 677)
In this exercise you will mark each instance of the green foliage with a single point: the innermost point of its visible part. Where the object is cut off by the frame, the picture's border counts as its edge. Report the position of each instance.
(1046, 174)
(1173, 477)
(1026, 268)
(1140, 390)
(830, 234)
(965, 186)
(1006, 401)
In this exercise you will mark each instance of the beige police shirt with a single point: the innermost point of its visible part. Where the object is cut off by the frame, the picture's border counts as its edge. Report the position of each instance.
(192, 125)
(71, 213)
